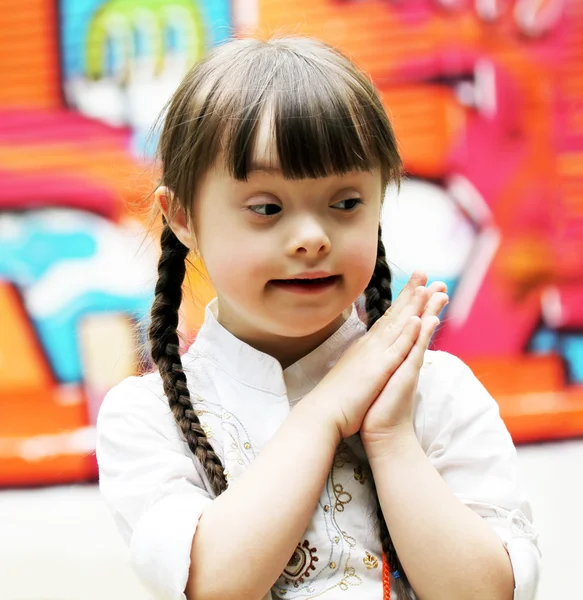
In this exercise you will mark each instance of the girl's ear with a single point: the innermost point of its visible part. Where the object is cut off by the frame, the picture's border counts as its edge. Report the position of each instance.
(175, 216)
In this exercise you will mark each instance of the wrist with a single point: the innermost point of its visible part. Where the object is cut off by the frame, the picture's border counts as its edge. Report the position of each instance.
(390, 442)
(321, 417)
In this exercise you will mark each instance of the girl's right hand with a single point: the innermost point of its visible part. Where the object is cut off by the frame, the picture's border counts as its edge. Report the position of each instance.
(362, 372)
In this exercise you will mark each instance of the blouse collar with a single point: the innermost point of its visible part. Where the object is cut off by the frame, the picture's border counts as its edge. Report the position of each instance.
(260, 370)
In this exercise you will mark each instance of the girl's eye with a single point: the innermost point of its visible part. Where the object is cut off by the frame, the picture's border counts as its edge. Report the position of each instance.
(349, 204)
(265, 209)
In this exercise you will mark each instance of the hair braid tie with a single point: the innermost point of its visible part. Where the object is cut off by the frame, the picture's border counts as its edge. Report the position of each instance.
(386, 579)
(165, 346)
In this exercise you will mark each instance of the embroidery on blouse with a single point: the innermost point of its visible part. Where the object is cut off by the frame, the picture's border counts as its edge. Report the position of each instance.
(300, 564)
(237, 448)
(370, 561)
(339, 539)
(360, 475)
(305, 565)
(341, 497)
(239, 452)
(207, 431)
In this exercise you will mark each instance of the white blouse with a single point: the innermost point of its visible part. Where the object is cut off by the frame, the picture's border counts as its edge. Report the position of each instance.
(157, 490)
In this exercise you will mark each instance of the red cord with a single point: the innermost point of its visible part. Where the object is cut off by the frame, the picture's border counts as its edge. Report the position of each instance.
(386, 579)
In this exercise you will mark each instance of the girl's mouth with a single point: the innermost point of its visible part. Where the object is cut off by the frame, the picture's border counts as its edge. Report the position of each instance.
(306, 286)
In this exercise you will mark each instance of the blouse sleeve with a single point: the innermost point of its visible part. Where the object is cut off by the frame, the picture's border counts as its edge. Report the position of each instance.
(151, 484)
(469, 445)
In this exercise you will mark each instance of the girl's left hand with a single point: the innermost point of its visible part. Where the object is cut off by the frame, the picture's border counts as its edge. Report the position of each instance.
(392, 412)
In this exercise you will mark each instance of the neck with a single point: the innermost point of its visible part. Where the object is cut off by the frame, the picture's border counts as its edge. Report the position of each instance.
(286, 350)
(289, 350)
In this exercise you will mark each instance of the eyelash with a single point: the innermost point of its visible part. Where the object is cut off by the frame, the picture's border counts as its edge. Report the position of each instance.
(253, 208)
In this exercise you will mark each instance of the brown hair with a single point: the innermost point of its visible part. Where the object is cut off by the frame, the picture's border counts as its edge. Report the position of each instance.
(326, 118)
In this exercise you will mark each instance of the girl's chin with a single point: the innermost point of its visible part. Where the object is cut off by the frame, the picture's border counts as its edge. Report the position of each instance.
(309, 326)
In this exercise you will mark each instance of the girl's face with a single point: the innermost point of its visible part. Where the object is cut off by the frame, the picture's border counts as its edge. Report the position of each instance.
(256, 236)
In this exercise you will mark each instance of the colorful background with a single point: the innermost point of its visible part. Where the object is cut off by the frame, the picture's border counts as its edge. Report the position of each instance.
(486, 97)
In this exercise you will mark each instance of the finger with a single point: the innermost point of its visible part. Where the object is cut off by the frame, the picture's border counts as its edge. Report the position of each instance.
(391, 326)
(417, 279)
(407, 373)
(416, 305)
(437, 286)
(435, 304)
(402, 346)
(407, 294)
(417, 353)
(425, 301)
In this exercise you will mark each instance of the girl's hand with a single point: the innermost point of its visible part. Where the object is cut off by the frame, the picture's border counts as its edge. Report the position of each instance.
(353, 384)
(392, 411)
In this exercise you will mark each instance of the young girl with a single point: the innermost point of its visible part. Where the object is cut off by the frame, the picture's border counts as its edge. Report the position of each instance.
(296, 451)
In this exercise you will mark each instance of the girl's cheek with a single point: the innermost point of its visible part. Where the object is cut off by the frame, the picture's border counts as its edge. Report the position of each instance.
(362, 254)
(237, 269)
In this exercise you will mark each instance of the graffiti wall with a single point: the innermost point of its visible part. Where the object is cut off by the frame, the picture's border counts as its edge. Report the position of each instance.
(83, 81)
(486, 97)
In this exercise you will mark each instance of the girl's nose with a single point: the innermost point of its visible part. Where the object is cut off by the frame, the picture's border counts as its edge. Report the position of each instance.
(310, 239)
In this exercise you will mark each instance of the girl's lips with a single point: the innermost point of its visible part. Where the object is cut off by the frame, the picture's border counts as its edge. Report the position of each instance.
(306, 286)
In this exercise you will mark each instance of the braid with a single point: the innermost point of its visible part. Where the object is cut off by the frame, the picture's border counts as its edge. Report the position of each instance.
(164, 347)
(378, 300)
(378, 292)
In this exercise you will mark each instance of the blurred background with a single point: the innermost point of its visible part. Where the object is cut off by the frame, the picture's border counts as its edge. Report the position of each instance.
(486, 97)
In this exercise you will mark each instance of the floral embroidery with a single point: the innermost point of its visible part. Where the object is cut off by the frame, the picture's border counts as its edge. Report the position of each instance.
(342, 456)
(237, 448)
(342, 497)
(300, 564)
(350, 578)
(207, 431)
(349, 539)
(360, 475)
(370, 561)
